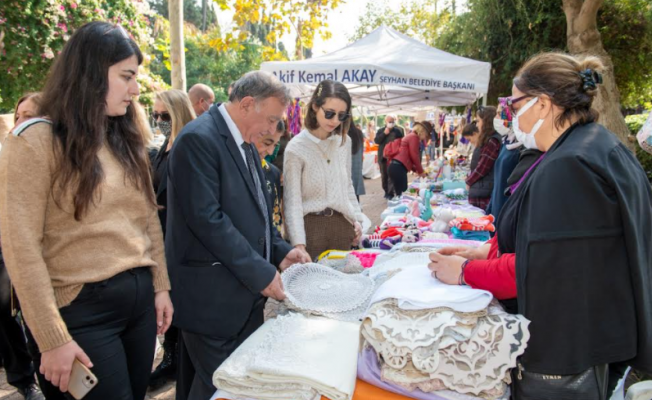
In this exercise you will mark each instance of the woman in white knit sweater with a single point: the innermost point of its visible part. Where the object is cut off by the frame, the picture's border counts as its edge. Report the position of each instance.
(321, 210)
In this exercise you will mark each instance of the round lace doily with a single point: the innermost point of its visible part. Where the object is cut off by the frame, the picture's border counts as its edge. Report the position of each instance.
(316, 288)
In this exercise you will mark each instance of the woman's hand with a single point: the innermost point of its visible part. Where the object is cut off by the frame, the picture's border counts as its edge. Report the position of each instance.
(446, 268)
(164, 311)
(469, 253)
(56, 364)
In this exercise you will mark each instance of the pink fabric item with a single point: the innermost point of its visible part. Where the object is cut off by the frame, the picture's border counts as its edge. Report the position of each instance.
(367, 259)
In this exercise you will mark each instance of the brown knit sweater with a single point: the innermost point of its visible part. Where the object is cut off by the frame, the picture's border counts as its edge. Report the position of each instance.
(49, 255)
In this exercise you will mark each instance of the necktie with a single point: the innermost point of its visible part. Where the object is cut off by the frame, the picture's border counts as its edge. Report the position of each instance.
(251, 164)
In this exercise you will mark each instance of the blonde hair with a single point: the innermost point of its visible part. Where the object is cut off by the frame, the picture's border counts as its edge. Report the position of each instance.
(178, 106)
(34, 97)
(560, 76)
(142, 123)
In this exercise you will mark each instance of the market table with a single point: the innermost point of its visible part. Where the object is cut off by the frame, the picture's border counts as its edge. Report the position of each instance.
(365, 391)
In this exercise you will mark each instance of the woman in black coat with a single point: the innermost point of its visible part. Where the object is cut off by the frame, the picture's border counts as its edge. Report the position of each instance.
(578, 222)
(580, 226)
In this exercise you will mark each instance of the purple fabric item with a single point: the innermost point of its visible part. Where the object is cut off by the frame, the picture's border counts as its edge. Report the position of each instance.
(369, 371)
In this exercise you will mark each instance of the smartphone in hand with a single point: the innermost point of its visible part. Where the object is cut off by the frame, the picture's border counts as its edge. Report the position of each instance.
(81, 381)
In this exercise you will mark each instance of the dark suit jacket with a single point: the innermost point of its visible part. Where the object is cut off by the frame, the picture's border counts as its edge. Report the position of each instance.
(215, 231)
(159, 162)
(383, 139)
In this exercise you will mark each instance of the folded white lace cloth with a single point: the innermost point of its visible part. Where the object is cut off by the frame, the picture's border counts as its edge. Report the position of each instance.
(416, 289)
(294, 357)
(478, 365)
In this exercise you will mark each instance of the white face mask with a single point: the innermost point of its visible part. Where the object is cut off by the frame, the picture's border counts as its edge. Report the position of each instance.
(500, 127)
(390, 124)
(526, 138)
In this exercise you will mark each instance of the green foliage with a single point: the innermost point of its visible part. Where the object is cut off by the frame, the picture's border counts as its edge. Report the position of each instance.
(635, 123)
(37, 30)
(626, 29)
(192, 12)
(204, 63)
(508, 32)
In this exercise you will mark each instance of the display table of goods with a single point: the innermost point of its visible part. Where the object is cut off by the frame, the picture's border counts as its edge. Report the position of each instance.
(374, 324)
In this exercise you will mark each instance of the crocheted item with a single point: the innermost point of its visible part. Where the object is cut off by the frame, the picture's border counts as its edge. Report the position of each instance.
(367, 259)
(318, 289)
(439, 349)
(485, 223)
(470, 235)
(390, 232)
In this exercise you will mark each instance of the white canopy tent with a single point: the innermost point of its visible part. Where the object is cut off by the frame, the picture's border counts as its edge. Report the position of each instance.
(388, 71)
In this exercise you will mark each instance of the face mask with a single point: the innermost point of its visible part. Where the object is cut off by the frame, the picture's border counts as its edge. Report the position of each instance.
(526, 138)
(390, 124)
(500, 127)
(165, 127)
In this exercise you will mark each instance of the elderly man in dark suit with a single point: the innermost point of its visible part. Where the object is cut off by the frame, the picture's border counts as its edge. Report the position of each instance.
(221, 246)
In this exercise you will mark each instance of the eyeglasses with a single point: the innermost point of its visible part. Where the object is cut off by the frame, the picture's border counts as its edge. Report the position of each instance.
(511, 101)
(329, 114)
(165, 116)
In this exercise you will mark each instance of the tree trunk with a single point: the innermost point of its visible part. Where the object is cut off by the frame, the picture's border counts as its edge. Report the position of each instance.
(204, 6)
(583, 38)
(177, 55)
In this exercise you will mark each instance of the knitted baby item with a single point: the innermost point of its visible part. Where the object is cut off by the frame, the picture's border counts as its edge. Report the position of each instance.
(485, 223)
(427, 212)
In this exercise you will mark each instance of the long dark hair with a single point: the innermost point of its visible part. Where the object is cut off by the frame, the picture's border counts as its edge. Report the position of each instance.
(325, 90)
(357, 138)
(74, 98)
(487, 115)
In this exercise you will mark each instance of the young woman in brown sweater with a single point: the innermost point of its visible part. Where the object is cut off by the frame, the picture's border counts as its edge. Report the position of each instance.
(80, 232)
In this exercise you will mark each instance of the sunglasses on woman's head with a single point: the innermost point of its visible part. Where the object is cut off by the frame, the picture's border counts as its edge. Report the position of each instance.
(329, 114)
(165, 116)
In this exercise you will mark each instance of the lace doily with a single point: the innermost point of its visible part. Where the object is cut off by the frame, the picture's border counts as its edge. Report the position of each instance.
(319, 289)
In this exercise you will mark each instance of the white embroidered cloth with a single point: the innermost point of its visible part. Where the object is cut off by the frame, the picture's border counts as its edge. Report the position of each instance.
(416, 289)
(294, 357)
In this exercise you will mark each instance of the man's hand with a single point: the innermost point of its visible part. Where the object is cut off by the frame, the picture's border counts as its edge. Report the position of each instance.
(164, 311)
(275, 289)
(56, 364)
(298, 255)
(358, 233)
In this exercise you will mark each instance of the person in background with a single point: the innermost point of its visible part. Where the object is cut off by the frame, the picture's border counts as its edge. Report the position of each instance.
(320, 207)
(266, 145)
(371, 131)
(201, 97)
(357, 154)
(80, 232)
(27, 107)
(13, 349)
(579, 226)
(480, 182)
(282, 145)
(172, 111)
(506, 162)
(384, 136)
(407, 158)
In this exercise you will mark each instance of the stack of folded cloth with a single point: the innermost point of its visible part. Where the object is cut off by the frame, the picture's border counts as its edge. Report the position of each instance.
(473, 228)
(433, 341)
(293, 357)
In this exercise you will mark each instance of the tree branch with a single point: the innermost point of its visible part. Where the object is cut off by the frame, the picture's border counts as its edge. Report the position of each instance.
(589, 14)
